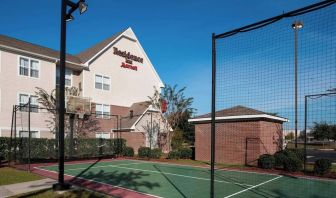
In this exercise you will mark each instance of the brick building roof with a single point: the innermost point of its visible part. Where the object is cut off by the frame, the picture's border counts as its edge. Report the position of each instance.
(237, 113)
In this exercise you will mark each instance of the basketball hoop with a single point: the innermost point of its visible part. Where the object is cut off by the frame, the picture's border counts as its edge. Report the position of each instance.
(77, 105)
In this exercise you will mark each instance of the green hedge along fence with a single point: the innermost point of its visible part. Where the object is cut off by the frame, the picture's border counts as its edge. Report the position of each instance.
(42, 148)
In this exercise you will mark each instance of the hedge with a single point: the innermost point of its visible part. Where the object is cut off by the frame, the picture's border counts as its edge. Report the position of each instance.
(128, 152)
(42, 148)
(266, 161)
(146, 152)
(322, 166)
(155, 153)
(174, 154)
(182, 153)
(279, 158)
(185, 153)
(290, 159)
(292, 164)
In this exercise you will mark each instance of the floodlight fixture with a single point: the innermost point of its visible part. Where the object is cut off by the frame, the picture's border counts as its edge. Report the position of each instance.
(69, 17)
(82, 6)
(297, 25)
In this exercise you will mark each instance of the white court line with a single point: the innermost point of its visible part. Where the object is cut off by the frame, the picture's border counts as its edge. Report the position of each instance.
(165, 173)
(253, 187)
(100, 166)
(203, 167)
(68, 164)
(116, 186)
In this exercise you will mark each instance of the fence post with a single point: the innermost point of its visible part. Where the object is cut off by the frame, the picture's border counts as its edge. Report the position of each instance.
(213, 116)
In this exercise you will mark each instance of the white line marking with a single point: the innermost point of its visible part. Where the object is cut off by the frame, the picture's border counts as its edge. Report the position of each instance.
(203, 167)
(165, 173)
(89, 162)
(253, 187)
(101, 166)
(116, 186)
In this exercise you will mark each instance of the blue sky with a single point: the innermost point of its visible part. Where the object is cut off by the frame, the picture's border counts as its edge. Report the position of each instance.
(176, 34)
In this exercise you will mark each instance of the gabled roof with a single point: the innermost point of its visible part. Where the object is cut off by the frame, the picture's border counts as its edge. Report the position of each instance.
(87, 54)
(138, 109)
(80, 60)
(238, 113)
(34, 48)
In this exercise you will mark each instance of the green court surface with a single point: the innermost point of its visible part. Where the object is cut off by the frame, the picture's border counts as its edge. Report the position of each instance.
(169, 180)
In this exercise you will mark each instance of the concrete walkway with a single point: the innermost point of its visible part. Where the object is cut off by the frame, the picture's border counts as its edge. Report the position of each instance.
(25, 187)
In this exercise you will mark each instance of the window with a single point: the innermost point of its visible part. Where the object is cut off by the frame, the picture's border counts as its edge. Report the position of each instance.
(25, 134)
(102, 111)
(29, 67)
(23, 100)
(102, 82)
(68, 77)
(103, 135)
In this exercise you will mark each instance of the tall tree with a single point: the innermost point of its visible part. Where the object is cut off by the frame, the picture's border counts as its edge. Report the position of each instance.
(178, 108)
(321, 131)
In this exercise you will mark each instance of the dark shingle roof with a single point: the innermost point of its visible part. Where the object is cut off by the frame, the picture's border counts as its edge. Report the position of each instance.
(138, 109)
(30, 47)
(234, 111)
(80, 58)
(90, 52)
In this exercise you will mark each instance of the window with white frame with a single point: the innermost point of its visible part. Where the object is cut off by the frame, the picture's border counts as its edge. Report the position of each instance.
(23, 100)
(25, 134)
(68, 77)
(102, 82)
(103, 135)
(102, 111)
(29, 67)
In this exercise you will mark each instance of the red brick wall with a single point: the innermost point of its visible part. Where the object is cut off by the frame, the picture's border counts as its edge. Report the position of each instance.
(237, 142)
(272, 137)
(134, 139)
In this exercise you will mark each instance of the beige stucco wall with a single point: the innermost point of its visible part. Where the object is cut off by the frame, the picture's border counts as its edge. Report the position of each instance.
(12, 84)
(144, 124)
(127, 86)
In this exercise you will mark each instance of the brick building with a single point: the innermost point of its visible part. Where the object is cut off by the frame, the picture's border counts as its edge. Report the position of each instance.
(242, 135)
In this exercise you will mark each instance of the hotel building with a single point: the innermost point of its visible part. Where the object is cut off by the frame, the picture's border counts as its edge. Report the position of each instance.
(116, 74)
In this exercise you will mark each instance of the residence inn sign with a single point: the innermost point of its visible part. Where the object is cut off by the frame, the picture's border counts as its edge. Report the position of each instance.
(129, 58)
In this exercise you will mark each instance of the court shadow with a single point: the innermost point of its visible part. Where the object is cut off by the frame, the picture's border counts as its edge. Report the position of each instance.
(100, 180)
(87, 169)
(171, 182)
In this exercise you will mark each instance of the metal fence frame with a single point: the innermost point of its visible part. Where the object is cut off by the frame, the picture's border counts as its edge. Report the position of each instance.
(243, 29)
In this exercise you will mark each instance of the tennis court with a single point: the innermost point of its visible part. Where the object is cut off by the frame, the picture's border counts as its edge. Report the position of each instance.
(170, 180)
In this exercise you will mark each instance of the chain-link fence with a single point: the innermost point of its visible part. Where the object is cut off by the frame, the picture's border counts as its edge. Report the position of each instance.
(262, 74)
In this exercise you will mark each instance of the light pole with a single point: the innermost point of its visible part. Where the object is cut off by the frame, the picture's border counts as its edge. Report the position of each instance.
(65, 16)
(296, 26)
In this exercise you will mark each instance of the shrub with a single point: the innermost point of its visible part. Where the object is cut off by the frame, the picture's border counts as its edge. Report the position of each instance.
(4, 147)
(279, 159)
(177, 140)
(290, 159)
(45, 149)
(266, 161)
(185, 153)
(292, 163)
(299, 153)
(144, 152)
(155, 153)
(128, 152)
(174, 154)
(322, 166)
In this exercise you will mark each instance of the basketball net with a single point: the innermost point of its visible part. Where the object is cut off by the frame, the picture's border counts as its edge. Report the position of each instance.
(80, 113)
